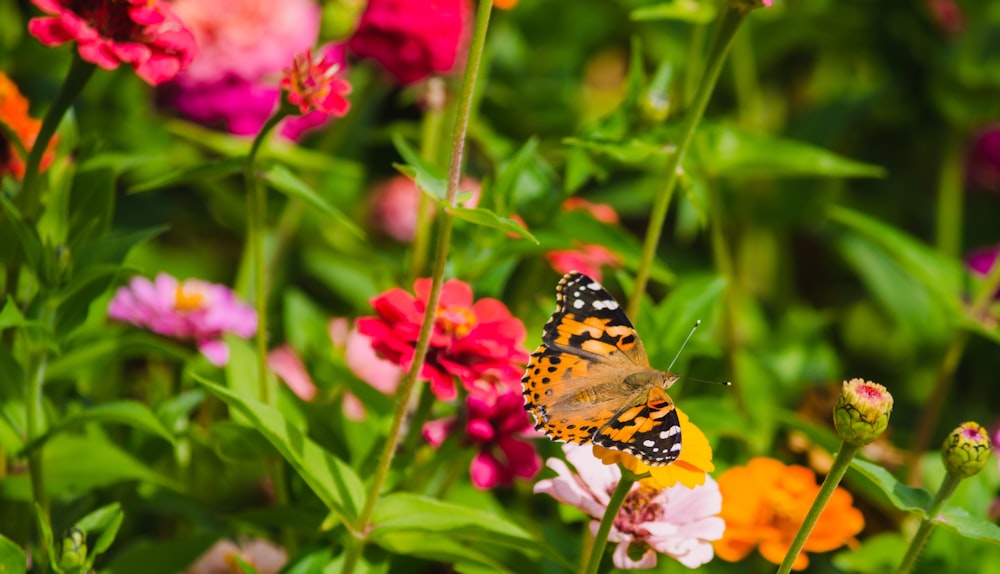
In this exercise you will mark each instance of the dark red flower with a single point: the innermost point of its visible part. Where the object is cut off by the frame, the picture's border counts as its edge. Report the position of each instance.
(142, 33)
(413, 39)
(475, 342)
(314, 85)
(497, 428)
(983, 169)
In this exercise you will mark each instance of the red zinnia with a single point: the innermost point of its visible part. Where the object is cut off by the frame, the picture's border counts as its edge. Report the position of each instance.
(142, 33)
(14, 115)
(472, 341)
(314, 85)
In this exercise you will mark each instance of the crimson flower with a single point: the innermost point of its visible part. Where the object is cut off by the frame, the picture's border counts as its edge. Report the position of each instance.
(497, 428)
(472, 341)
(142, 33)
(314, 85)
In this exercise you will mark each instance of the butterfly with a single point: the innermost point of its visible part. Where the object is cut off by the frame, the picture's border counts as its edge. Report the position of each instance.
(590, 379)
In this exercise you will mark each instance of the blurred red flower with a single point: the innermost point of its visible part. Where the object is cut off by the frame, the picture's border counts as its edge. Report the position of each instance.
(983, 163)
(14, 115)
(471, 341)
(413, 39)
(142, 33)
(314, 85)
(587, 259)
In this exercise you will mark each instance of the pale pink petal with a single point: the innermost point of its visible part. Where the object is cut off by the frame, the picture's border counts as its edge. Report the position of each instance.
(217, 352)
(289, 367)
(354, 409)
(621, 558)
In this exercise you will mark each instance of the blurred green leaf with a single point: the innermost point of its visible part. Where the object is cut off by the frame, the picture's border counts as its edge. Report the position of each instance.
(31, 244)
(959, 520)
(903, 497)
(485, 217)
(680, 10)
(126, 345)
(161, 556)
(428, 179)
(104, 522)
(91, 203)
(245, 567)
(333, 481)
(11, 316)
(693, 299)
(49, 550)
(12, 558)
(129, 413)
(283, 180)
(876, 555)
(506, 183)
(198, 173)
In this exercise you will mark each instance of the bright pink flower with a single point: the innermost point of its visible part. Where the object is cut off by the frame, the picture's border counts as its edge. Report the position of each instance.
(287, 364)
(314, 85)
(471, 341)
(983, 163)
(497, 428)
(981, 262)
(413, 39)
(601, 211)
(362, 360)
(190, 310)
(395, 202)
(677, 521)
(263, 555)
(142, 33)
(587, 259)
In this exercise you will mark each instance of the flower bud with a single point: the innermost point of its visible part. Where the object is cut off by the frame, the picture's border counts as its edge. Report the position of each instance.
(966, 450)
(862, 412)
(74, 549)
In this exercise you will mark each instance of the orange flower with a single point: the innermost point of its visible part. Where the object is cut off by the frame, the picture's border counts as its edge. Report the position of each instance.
(16, 121)
(505, 4)
(765, 502)
(689, 469)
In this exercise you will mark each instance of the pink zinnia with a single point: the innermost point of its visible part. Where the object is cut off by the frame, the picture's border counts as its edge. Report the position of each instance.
(413, 39)
(396, 201)
(471, 340)
(314, 84)
(287, 364)
(189, 310)
(142, 33)
(498, 429)
(677, 521)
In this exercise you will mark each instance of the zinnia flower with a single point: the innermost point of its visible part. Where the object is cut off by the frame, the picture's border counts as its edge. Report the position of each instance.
(586, 258)
(189, 310)
(287, 364)
(966, 449)
(14, 115)
(314, 85)
(395, 203)
(765, 502)
(413, 39)
(364, 362)
(497, 428)
(469, 341)
(690, 469)
(142, 33)
(679, 521)
(263, 555)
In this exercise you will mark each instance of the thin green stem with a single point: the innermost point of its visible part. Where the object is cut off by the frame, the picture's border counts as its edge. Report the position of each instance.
(727, 268)
(750, 100)
(257, 228)
(79, 72)
(950, 195)
(728, 26)
(840, 466)
(607, 521)
(443, 244)
(430, 143)
(34, 402)
(927, 524)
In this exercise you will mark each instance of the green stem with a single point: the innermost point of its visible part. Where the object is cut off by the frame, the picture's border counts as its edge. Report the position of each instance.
(728, 26)
(750, 101)
(950, 196)
(927, 524)
(257, 228)
(727, 268)
(79, 72)
(407, 385)
(840, 466)
(430, 142)
(34, 403)
(607, 521)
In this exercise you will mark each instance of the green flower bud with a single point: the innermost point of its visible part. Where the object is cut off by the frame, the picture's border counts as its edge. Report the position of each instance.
(862, 412)
(966, 449)
(74, 549)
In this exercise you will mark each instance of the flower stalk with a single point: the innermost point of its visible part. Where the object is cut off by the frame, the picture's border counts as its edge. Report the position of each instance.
(608, 520)
(443, 244)
(730, 23)
(927, 525)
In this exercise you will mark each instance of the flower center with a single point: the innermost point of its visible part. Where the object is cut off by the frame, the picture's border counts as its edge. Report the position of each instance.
(110, 19)
(457, 321)
(869, 392)
(187, 299)
(638, 509)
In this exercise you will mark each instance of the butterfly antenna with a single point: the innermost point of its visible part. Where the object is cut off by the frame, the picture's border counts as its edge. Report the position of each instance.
(723, 383)
(677, 356)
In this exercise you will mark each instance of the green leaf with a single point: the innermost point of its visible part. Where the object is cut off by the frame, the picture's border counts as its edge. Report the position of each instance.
(506, 183)
(199, 173)
(631, 151)
(112, 249)
(876, 555)
(45, 533)
(333, 481)
(959, 520)
(129, 413)
(11, 316)
(680, 10)
(722, 150)
(485, 217)
(428, 179)
(245, 567)
(12, 558)
(286, 182)
(691, 300)
(104, 523)
(91, 203)
(160, 557)
(903, 497)
(31, 244)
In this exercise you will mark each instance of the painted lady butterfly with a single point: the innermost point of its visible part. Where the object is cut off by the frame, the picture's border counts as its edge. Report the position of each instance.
(590, 380)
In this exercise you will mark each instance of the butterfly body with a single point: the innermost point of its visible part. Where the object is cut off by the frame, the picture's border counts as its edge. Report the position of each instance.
(590, 379)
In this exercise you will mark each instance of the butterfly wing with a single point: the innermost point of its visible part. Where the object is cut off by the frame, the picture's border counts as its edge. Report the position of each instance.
(649, 429)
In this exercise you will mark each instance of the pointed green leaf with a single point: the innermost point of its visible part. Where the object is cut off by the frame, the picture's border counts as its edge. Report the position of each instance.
(104, 523)
(333, 481)
(679, 10)
(129, 413)
(283, 180)
(959, 520)
(31, 244)
(49, 549)
(12, 558)
(903, 497)
(485, 217)
(430, 180)
(201, 172)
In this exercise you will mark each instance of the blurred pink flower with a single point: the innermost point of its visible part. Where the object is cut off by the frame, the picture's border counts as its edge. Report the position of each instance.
(263, 555)
(189, 310)
(413, 39)
(471, 340)
(983, 163)
(601, 211)
(677, 521)
(396, 200)
(497, 428)
(287, 364)
(981, 262)
(948, 16)
(364, 362)
(142, 33)
(313, 84)
(587, 259)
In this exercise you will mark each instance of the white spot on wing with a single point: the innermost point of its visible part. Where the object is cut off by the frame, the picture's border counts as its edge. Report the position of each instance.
(594, 285)
(670, 432)
(648, 443)
(578, 304)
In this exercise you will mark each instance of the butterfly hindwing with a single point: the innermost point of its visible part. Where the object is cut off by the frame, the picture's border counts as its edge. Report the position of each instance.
(648, 429)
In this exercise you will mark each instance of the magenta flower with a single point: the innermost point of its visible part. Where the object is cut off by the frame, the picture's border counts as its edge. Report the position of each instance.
(413, 39)
(142, 33)
(364, 362)
(497, 429)
(587, 259)
(314, 84)
(472, 341)
(981, 262)
(189, 310)
(677, 521)
(983, 163)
